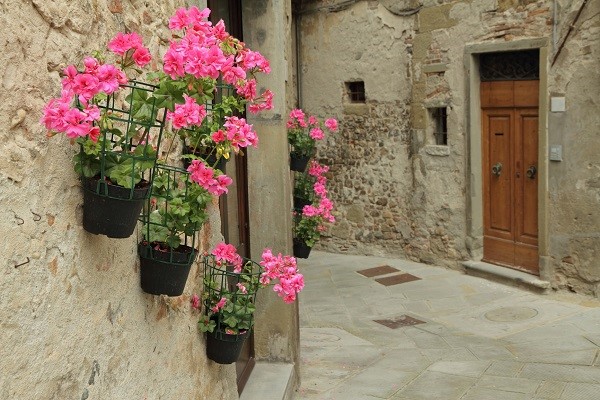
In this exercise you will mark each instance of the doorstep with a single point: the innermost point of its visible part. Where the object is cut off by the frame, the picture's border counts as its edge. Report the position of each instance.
(270, 381)
(505, 275)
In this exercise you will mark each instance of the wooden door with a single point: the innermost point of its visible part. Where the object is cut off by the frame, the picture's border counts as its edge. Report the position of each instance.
(510, 178)
(234, 206)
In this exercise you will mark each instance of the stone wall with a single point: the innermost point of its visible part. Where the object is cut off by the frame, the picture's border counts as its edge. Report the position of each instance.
(74, 321)
(419, 46)
(370, 179)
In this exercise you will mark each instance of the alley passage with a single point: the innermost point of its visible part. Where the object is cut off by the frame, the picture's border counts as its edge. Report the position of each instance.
(374, 328)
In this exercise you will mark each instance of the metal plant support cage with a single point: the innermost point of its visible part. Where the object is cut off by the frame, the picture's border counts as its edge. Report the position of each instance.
(220, 280)
(135, 132)
(173, 179)
(193, 138)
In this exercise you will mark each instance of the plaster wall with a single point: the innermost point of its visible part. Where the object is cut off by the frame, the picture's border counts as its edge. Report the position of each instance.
(74, 321)
(574, 183)
(432, 203)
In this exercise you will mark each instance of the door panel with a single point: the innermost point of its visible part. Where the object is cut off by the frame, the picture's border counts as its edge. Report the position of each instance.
(497, 94)
(527, 223)
(500, 186)
(510, 138)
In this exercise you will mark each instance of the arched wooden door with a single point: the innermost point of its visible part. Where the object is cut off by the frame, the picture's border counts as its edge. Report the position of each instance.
(509, 111)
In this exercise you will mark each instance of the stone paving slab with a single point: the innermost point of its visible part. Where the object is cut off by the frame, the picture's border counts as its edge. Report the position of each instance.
(480, 340)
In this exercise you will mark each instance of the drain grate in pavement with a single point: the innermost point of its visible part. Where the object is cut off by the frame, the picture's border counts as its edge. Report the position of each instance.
(399, 322)
(381, 270)
(397, 279)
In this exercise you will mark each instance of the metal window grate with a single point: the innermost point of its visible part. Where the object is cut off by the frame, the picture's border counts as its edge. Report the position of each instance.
(510, 66)
(440, 118)
(356, 91)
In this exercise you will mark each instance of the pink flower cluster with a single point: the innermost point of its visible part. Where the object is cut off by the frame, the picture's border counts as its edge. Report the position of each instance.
(188, 114)
(283, 269)
(331, 124)
(61, 116)
(209, 51)
(297, 120)
(205, 177)
(238, 133)
(227, 253)
(124, 42)
(324, 205)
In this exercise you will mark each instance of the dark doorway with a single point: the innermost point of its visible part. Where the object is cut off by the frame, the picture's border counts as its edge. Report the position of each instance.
(234, 206)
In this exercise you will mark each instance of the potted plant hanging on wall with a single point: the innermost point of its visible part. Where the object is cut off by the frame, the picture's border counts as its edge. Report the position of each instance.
(117, 124)
(209, 76)
(309, 223)
(303, 194)
(176, 211)
(119, 133)
(302, 135)
(230, 287)
(207, 141)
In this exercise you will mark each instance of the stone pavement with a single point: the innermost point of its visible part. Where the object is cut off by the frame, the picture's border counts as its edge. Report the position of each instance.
(478, 340)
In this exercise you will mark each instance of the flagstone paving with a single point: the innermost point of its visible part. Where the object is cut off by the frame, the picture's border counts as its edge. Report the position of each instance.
(479, 340)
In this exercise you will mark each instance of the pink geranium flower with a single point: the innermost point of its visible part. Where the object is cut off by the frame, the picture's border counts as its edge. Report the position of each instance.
(142, 56)
(316, 134)
(86, 86)
(331, 124)
(219, 305)
(195, 301)
(188, 114)
(283, 269)
(124, 42)
(227, 253)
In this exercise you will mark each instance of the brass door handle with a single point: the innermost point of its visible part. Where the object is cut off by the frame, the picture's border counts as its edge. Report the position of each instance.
(531, 171)
(497, 169)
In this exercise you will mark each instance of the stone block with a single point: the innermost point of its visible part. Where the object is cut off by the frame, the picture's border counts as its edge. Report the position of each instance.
(433, 18)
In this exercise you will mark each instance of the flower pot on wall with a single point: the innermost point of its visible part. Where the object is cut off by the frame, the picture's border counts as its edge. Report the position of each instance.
(164, 272)
(301, 250)
(224, 348)
(298, 163)
(112, 210)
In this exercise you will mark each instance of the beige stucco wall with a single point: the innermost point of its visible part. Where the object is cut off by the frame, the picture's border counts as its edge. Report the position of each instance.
(74, 321)
(267, 28)
(426, 192)
(574, 183)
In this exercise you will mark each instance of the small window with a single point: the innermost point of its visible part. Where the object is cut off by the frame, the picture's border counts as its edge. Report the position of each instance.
(439, 120)
(356, 91)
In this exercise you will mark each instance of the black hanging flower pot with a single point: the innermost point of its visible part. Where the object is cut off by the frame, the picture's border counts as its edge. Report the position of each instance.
(298, 163)
(301, 249)
(110, 209)
(164, 271)
(224, 348)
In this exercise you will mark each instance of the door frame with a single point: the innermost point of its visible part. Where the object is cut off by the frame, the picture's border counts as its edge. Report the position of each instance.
(472, 115)
(245, 364)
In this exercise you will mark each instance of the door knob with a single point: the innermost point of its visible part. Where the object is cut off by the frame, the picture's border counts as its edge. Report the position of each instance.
(497, 169)
(531, 171)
